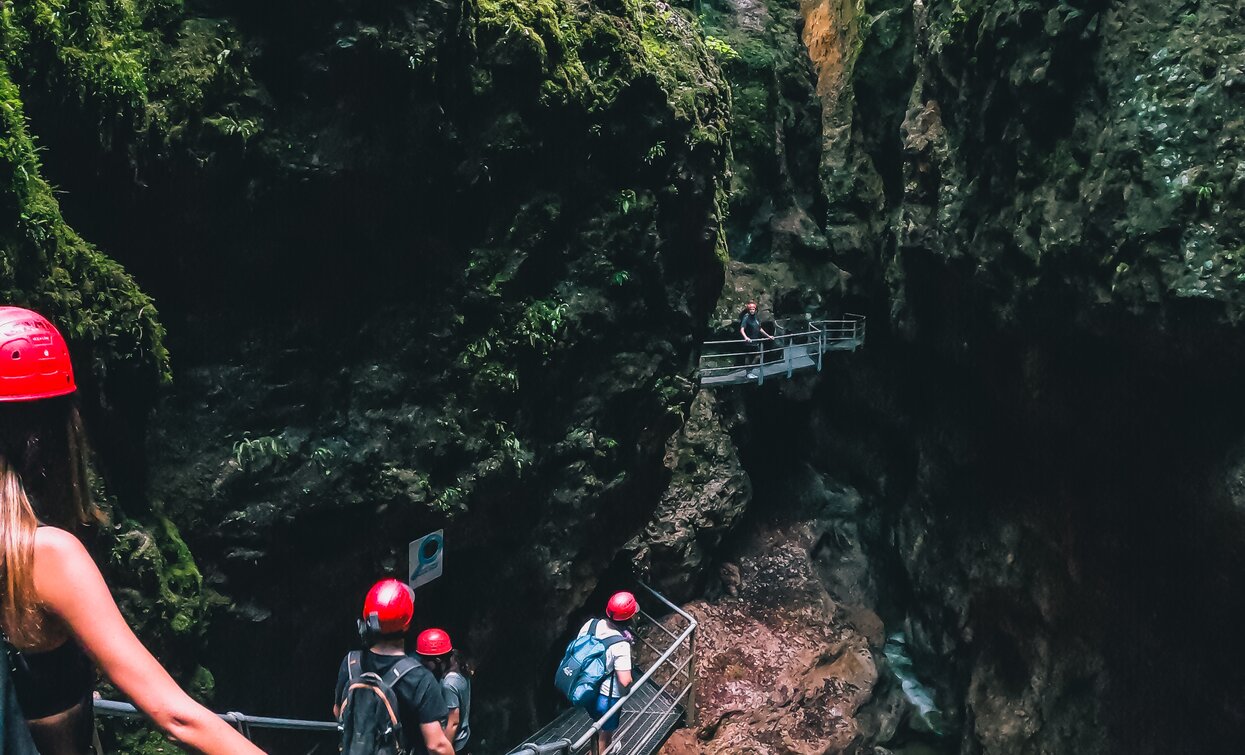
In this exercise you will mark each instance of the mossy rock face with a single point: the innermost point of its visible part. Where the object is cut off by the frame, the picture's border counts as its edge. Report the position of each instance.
(1038, 204)
(775, 128)
(1073, 152)
(111, 324)
(434, 264)
(115, 335)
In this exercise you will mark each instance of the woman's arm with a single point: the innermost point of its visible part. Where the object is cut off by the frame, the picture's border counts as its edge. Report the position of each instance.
(451, 724)
(624, 680)
(434, 739)
(70, 586)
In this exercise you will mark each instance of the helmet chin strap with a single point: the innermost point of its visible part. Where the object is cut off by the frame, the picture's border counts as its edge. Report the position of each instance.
(369, 629)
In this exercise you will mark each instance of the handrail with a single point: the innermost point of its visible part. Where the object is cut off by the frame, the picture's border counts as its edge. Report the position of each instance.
(239, 720)
(720, 359)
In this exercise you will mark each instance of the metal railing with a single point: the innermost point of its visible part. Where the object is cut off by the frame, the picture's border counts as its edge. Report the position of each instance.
(240, 721)
(738, 360)
(672, 668)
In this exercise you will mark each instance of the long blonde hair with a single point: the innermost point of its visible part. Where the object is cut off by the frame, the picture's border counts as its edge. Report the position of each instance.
(17, 557)
(42, 478)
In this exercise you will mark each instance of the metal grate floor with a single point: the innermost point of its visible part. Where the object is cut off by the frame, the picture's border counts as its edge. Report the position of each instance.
(803, 358)
(642, 731)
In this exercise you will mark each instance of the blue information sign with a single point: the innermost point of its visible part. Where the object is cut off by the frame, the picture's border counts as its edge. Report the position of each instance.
(426, 558)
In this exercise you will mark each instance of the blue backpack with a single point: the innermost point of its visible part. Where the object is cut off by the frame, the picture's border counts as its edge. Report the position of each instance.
(583, 667)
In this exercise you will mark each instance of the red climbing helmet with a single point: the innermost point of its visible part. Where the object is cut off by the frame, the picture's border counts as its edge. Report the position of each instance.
(34, 360)
(433, 642)
(389, 606)
(622, 606)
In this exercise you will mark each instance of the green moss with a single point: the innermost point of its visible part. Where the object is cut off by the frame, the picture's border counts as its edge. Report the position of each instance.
(588, 61)
(136, 68)
(172, 593)
(113, 325)
(543, 30)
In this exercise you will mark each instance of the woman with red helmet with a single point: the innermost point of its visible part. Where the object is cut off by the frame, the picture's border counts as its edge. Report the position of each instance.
(55, 609)
(620, 609)
(438, 654)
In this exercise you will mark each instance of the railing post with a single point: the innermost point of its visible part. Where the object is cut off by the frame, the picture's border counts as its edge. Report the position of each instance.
(821, 346)
(691, 680)
(786, 355)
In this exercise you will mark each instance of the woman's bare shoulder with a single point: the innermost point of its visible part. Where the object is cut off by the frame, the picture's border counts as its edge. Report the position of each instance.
(62, 547)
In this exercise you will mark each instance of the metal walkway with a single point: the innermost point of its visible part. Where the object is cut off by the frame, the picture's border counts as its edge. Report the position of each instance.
(662, 698)
(650, 712)
(797, 346)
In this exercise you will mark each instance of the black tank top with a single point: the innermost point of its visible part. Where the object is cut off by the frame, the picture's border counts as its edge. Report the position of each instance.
(53, 681)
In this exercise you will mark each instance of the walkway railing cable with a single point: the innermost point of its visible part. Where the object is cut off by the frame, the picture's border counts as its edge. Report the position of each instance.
(241, 721)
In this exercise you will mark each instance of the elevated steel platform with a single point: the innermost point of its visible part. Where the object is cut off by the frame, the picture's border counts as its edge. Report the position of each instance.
(795, 347)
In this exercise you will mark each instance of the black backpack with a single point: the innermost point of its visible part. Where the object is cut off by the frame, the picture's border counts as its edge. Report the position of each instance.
(14, 734)
(369, 719)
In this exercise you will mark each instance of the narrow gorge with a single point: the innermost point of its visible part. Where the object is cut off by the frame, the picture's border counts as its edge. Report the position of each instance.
(339, 274)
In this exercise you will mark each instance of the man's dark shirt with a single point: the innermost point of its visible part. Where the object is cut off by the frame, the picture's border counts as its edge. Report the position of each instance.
(750, 325)
(418, 691)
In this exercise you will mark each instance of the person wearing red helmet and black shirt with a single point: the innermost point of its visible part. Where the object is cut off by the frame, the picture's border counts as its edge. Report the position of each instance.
(619, 611)
(387, 613)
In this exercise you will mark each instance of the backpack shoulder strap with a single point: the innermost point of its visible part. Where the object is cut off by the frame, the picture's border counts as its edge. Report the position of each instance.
(606, 641)
(400, 669)
(354, 664)
(611, 641)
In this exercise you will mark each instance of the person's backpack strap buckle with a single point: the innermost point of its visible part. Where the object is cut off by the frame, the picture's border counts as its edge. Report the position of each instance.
(400, 669)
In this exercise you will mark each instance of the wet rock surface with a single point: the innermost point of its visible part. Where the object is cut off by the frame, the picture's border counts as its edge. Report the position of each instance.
(708, 493)
(782, 665)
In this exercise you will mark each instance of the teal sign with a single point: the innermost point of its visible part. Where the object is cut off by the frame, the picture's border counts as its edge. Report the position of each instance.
(427, 558)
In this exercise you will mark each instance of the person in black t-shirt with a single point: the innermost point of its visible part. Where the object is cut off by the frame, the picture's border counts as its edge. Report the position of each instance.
(751, 331)
(387, 614)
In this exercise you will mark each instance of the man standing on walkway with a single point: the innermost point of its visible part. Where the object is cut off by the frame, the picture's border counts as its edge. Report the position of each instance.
(366, 676)
(751, 330)
(619, 611)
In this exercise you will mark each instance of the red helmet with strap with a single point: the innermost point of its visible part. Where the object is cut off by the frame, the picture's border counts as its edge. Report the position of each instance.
(621, 606)
(433, 642)
(34, 360)
(389, 606)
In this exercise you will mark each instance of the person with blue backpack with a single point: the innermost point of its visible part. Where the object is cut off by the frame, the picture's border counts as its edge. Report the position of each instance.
(596, 670)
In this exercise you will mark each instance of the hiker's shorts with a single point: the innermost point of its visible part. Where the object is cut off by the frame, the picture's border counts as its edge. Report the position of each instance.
(603, 704)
